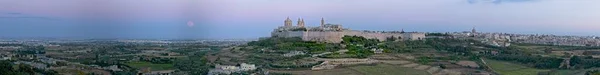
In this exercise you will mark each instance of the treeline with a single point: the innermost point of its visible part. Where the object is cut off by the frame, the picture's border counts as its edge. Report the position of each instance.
(437, 34)
(561, 46)
(294, 44)
(158, 60)
(534, 61)
(584, 62)
(453, 45)
(7, 68)
(359, 47)
(12, 45)
(195, 64)
(360, 40)
(31, 50)
(274, 41)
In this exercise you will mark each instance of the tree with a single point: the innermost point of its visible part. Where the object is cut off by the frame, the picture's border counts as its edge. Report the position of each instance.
(195, 65)
(391, 38)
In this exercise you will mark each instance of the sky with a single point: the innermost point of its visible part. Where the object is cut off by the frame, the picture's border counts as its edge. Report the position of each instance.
(227, 19)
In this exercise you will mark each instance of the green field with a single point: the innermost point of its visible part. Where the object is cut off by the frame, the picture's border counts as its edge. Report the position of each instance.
(568, 72)
(154, 67)
(385, 69)
(507, 68)
(572, 72)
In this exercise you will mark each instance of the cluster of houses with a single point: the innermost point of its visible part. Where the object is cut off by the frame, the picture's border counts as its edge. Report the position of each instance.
(377, 51)
(228, 69)
(293, 53)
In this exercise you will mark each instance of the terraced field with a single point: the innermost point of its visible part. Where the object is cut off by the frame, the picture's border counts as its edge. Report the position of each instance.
(507, 68)
(154, 67)
(385, 69)
(388, 66)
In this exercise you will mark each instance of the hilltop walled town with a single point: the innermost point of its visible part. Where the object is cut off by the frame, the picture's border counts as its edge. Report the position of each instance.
(332, 33)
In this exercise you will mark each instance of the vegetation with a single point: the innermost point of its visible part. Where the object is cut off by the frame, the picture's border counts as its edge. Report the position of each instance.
(338, 55)
(536, 61)
(517, 53)
(466, 48)
(359, 40)
(359, 47)
(453, 45)
(557, 47)
(31, 50)
(158, 60)
(299, 29)
(568, 72)
(154, 67)
(195, 64)
(594, 72)
(385, 69)
(584, 62)
(7, 68)
(437, 34)
(288, 44)
(507, 68)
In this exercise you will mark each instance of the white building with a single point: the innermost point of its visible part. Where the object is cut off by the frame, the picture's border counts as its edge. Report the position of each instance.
(227, 69)
(247, 67)
(293, 53)
(375, 50)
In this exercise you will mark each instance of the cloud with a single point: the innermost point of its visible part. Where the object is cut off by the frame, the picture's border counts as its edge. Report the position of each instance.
(44, 18)
(497, 1)
(16, 15)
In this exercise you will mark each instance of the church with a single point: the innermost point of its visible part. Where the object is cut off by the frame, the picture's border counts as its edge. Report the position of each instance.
(333, 33)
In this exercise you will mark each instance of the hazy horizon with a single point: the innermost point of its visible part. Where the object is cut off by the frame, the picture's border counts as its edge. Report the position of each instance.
(226, 19)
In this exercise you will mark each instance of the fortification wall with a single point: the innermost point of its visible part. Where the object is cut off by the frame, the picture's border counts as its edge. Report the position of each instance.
(323, 36)
(414, 36)
(336, 36)
(373, 35)
(288, 34)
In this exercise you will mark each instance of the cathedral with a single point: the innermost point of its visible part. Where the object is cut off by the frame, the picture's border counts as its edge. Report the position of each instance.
(288, 22)
(300, 26)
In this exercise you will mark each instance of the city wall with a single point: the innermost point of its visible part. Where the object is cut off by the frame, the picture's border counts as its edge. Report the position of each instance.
(336, 36)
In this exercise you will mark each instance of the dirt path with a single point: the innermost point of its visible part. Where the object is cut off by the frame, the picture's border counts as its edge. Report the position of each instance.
(488, 67)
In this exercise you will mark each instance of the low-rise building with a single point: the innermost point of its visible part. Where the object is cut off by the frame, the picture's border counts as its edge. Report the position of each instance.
(293, 53)
(247, 67)
(112, 68)
(227, 69)
(377, 51)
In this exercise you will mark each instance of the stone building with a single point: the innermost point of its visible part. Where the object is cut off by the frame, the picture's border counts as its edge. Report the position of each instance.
(333, 33)
(228, 69)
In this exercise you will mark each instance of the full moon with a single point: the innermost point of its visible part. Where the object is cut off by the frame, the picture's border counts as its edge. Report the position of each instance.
(190, 24)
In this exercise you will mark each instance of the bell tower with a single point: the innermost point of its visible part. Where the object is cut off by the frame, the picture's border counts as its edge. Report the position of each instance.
(300, 22)
(322, 22)
(288, 22)
(473, 30)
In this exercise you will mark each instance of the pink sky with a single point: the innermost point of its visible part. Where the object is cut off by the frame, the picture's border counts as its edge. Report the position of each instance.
(255, 18)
